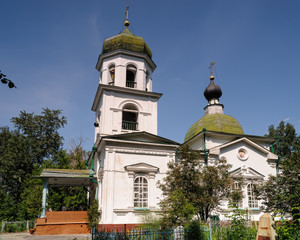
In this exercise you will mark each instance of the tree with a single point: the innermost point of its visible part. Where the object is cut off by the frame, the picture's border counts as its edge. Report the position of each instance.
(41, 132)
(288, 141)
(282, 193)
(204, 187)
(23, 154)
(4, 80)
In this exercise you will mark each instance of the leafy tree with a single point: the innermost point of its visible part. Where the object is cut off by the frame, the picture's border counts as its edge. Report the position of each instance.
(176, 209)
(23, 154)
(282, 193)
(204, 187)
(41, 132)
(15, 162)
(288, 141)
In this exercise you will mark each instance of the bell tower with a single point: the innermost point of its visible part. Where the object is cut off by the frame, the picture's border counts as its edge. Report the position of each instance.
(124, 100)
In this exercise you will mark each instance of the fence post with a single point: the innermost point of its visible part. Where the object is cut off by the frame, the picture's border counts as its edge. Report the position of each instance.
(210, 231)
(125, 231)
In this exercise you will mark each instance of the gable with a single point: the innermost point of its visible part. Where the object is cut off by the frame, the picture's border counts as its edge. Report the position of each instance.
(246, 173)
(141, 167)
(246, 142)
(141, 137)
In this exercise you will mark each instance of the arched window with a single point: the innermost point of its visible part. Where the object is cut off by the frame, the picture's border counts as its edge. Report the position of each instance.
(111, 80)
(140, 192)
(237, 195)
(130, 117)
(130, 76)
(252, 202)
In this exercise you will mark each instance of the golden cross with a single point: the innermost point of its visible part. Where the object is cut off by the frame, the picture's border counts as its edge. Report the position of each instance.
(211, 68)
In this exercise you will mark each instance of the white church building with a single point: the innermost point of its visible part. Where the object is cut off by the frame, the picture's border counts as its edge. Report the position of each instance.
(129, 157)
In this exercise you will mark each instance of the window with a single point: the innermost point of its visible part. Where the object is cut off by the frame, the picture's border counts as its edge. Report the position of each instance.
(237, 195)
(140, 192)
(111, 80)
(130, 76)
(252, 202)
(130, 117)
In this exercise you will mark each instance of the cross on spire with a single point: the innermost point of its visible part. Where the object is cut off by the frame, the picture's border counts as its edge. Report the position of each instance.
(211, 68)
(126, 23)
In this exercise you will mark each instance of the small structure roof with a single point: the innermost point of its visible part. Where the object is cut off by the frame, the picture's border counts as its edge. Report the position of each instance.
(66, 177)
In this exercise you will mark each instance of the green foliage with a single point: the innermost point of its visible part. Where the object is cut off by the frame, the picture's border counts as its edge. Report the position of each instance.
(73, 198)
(176, 209)
(240, 227)
(203, 187)
(34, 145)
(289, 229)
(193, 231)
(41, 132)
(93, 214)
(288, 142)
(282, 193)
(151, 221)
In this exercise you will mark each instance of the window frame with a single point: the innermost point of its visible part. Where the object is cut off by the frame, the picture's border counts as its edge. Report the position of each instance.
(140, 192)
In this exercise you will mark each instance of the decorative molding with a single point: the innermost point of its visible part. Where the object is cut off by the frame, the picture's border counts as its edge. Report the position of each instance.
(141, 168)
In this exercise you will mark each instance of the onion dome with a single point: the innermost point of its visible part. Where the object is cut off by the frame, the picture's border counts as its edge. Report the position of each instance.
(126, 41)
(216, 123)
(213, 91)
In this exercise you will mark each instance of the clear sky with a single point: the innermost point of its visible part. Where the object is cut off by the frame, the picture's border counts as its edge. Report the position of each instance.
(50, 48)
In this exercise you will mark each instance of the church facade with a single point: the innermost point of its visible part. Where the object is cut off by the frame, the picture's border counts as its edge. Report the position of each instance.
(130, 158)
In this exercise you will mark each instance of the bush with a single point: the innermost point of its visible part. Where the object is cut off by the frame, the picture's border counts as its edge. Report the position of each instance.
(193, 231)
(240, 228)
(93, 215)
(288, 230)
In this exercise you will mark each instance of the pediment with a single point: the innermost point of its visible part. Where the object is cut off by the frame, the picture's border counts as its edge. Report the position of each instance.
(246, 173)
(141, 167)
(217, 150)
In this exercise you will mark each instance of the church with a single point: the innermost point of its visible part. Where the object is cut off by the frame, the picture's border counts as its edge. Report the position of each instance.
(129, 158)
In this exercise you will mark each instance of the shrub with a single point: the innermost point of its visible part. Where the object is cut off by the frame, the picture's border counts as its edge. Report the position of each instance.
(193, 231)
(93, 214)
(240, 228)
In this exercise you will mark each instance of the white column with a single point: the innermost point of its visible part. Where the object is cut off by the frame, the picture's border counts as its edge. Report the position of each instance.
(45, 193)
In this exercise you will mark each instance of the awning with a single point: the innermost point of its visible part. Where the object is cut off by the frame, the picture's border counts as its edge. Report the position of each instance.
(66, 177)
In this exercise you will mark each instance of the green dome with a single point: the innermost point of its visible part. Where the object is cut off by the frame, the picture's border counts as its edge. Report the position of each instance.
(128, 41)
(216, 123)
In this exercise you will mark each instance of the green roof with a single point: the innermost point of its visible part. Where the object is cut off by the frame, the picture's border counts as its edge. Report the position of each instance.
(216, 123)
(128, 41)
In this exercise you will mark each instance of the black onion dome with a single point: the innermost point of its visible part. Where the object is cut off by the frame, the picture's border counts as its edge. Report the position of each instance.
(213, 91)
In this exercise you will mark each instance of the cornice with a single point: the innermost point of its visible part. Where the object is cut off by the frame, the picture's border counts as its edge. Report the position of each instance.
(131, 91)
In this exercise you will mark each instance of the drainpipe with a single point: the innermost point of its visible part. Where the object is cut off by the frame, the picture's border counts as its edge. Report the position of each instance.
(206, 151)
(277, 166)
(92, 172)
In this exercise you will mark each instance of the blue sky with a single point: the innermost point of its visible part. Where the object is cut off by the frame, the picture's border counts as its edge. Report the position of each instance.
(50, 49)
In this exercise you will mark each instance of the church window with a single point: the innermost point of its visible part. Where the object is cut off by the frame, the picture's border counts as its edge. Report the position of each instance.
(242, 154)
(111, 80)
(130, 76)
(252, 201)
(237, 195)
(130, 117)
(140, 192)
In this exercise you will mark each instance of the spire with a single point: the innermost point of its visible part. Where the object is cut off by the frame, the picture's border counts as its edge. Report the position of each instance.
(126, 23)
